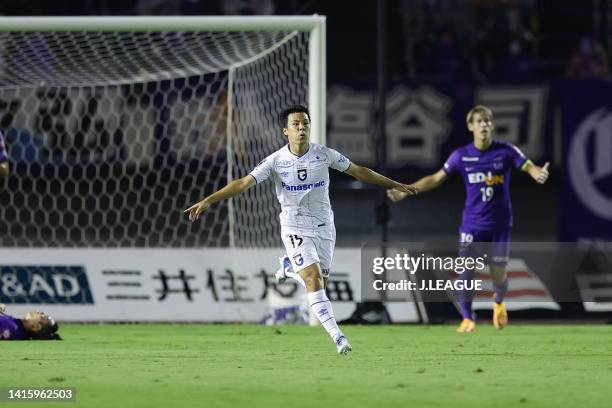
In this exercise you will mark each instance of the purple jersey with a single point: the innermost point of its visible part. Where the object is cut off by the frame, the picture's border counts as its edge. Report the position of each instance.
(486, 176)
(11, 328)
(3, 154)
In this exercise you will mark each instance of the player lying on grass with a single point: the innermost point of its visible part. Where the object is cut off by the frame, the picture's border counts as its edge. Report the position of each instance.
(300, 172)
(35, 325)
(485, 166)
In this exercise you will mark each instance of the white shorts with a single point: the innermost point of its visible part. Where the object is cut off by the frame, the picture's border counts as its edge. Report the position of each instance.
(304, 251)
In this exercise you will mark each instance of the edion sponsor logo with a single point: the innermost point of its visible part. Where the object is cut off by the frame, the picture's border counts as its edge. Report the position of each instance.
(489, 178)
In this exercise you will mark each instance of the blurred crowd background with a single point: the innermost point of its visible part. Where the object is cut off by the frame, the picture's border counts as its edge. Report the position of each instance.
(543, 66)
(481, 40)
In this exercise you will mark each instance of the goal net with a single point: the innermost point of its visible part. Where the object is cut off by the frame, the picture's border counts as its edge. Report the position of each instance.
(117, 125)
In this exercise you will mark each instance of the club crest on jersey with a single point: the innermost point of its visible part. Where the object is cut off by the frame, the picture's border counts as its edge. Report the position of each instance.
(302, 174)
(298, 259)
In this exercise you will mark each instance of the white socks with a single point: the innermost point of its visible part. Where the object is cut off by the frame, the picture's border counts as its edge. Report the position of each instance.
(321, 306)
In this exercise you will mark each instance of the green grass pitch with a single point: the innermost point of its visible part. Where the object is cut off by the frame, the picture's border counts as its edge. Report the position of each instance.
(291, 366)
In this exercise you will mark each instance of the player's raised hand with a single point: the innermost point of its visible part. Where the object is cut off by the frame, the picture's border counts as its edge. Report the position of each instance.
(543, 174)
(196, 210)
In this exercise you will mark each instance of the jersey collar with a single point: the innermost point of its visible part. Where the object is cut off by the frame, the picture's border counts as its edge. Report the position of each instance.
(474, 150)
(299, 157)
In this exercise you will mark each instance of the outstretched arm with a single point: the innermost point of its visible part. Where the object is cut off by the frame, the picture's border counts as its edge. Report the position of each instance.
(539, 174)
(232, 189)
(422, 185)
(370, 176)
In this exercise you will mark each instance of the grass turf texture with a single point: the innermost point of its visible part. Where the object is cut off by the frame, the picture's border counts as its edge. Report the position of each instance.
(257, 366)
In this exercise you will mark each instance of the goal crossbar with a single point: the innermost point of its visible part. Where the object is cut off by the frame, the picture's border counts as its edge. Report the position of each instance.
(155, 23)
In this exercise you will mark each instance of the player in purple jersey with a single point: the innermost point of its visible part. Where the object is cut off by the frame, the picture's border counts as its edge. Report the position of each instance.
(35, 325)
(485, 166)
(4, 167)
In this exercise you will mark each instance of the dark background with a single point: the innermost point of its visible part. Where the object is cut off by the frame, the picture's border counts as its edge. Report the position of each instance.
(476, 42)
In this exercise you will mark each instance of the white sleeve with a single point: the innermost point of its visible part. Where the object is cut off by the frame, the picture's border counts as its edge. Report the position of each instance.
(337, 161)
(263, 170)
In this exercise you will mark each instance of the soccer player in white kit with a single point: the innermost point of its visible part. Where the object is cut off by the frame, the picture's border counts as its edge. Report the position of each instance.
(300, 172)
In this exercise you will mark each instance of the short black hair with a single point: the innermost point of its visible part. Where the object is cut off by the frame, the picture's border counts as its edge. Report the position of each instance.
(284, 116)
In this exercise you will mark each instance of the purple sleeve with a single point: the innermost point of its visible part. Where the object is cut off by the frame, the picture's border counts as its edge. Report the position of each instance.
(3, 154)
(516, 156)
(452, 164)
(11, 328)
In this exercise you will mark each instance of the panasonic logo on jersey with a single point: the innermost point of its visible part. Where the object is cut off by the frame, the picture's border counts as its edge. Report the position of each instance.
(303, 187)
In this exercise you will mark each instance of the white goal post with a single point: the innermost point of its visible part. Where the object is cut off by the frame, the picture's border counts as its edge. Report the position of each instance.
(145, 114)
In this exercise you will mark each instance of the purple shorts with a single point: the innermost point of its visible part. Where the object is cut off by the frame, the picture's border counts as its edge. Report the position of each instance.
(495, 244)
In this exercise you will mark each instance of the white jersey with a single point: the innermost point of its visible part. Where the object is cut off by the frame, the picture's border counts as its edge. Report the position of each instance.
(302, 186)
